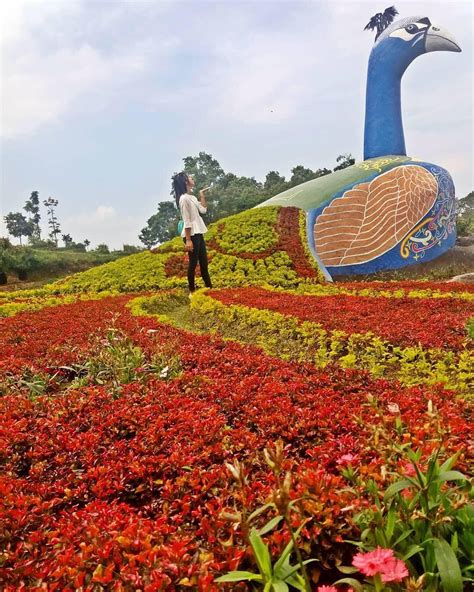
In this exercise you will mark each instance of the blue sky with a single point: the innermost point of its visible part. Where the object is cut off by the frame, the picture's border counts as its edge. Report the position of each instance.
(103, 99)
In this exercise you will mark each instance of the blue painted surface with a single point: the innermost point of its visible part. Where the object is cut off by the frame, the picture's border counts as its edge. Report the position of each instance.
(383, 132)
(433, 238)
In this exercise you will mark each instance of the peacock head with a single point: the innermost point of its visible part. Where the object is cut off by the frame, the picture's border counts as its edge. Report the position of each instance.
(404, 40)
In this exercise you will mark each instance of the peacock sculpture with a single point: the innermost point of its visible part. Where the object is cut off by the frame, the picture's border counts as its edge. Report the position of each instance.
(389, 210)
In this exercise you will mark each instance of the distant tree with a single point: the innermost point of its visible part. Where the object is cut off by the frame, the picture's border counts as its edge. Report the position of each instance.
(86, 242)
(131, 249)
(17, 225)
(239, 194)
(32, 207)
(301, 174)
(161, 226)
(147, 236)
(274, 184)
(67, 240)
(204, 168)
(53, 223)
(322, 172)
(103, 249)
(344, 160)
(465, 215)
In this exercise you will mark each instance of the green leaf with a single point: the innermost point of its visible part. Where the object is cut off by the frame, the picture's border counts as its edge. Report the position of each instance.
(402, 537)
(412, 550)
(270, 525)
(396, 487)
(279, 586)
(288, 571)
(297, 582)
(239, 576)
(352, 582)
(450, 476)
(446, 466)
(260, 510)
(287, 550)
(448, 566)
(261, 552)
(391, 518)
(347, 569)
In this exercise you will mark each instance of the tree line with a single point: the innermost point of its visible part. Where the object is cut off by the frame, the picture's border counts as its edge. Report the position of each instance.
(229, 193)
(20, 225)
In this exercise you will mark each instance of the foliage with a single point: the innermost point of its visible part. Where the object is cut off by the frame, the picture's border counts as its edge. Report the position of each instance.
(32, 207)
(51, 204)
(161, 226)
(124, 484)
(427, 519)
(291, 338)
(465, 215)
(233, 260)
(17, 225)
(229, 194)
(344, 161)
(250, 232)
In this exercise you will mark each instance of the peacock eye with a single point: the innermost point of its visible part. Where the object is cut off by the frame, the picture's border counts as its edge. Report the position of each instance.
(411, 28)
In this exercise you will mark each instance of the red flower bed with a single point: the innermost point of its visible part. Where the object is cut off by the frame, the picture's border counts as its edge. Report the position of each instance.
(410, 285)
(54, 336)
(128, 492)
(403, 321)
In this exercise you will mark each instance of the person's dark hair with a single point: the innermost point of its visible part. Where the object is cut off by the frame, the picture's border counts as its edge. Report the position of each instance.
(179, 185)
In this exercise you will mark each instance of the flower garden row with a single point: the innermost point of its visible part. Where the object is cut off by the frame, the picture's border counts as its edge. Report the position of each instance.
(115, 434)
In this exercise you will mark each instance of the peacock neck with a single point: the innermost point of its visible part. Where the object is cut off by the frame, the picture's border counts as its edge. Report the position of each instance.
(383, 132)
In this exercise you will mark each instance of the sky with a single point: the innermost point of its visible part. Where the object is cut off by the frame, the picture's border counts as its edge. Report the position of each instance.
(102, 100)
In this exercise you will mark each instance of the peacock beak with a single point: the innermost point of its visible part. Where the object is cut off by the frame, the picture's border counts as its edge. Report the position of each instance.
(438, 39)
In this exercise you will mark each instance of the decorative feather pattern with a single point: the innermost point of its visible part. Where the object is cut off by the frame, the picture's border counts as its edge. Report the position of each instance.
(371, 218)
(381, 20)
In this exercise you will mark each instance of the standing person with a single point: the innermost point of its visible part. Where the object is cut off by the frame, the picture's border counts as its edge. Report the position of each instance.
(194, 227)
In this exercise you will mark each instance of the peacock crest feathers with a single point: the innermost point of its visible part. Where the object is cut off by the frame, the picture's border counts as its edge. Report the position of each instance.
(381, 20)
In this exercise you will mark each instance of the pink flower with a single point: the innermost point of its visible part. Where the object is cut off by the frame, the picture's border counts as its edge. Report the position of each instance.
(327, 589)
(394, 571)
(372, 563)
(346, 459)
(409, 470)
(381, 561)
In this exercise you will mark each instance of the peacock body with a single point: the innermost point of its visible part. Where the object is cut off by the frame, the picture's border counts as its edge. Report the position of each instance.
(389, 210)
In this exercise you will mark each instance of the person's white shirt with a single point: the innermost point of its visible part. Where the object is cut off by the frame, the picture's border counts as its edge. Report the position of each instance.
(191, 210)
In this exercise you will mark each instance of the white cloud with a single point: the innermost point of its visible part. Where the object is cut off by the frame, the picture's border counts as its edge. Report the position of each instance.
(53, 61)
(104, 225)
(39, 89)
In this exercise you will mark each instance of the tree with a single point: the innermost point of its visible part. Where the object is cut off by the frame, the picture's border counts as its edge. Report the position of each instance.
(204, 168)
(32, 207)
(300, 174)
(161, 226)
(67, 240)
(103, 249)
(344, 160)
(86, 242)
(18, 225)
(53, 223)
(465, 215)
(274, 184)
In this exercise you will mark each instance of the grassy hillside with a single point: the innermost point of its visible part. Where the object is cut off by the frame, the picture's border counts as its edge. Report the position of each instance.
(40, 265)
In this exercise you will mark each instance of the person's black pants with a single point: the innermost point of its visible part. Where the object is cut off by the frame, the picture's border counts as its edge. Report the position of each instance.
(198, 254)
